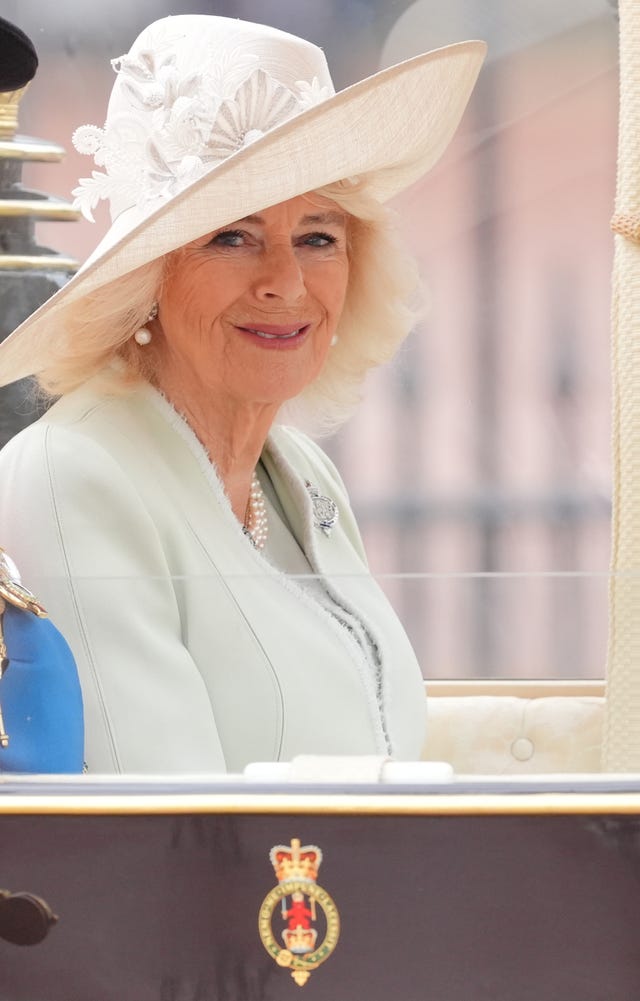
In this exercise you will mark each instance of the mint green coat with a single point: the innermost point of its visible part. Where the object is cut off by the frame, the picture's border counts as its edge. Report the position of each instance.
(195, 653)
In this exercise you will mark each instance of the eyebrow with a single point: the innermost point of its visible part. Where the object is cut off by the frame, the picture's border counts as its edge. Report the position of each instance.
(318, 219)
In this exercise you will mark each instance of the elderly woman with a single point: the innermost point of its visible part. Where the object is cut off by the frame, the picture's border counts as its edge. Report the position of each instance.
(198, 553)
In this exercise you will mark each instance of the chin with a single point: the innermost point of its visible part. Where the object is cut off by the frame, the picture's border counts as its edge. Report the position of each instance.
(278, 391)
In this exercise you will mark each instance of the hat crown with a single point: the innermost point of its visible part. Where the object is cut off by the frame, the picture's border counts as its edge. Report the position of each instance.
(192, 91)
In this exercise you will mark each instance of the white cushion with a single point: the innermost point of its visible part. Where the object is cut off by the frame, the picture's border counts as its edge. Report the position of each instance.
(499, 735)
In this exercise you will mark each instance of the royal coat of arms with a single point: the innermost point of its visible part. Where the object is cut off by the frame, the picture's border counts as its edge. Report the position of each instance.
(298, 913)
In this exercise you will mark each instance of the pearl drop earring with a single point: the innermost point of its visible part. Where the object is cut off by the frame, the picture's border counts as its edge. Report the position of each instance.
(143, 335)
(334, 340)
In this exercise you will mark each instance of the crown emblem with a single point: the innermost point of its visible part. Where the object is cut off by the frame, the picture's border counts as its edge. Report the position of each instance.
(299, 906)
(295, 861)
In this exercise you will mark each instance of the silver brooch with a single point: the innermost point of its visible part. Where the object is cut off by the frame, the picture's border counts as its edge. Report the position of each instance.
(325, 510)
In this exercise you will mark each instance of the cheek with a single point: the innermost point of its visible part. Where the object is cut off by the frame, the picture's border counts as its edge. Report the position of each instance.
(196, 287)
(342, 294)
(193, 305)
(332, 290)
(340, 303)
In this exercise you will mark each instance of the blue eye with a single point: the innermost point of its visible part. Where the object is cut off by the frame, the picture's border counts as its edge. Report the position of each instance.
(320, 239)
(228, 238)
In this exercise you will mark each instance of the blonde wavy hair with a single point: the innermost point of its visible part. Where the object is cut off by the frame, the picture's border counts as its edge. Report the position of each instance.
(379, 312)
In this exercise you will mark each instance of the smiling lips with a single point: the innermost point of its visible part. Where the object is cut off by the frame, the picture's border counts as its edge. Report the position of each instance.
(277, 336)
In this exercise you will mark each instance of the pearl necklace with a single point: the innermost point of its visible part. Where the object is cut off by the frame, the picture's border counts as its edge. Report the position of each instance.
(256, 520)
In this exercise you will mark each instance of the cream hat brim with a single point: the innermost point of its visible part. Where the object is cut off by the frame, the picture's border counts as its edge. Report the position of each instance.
(390, 128)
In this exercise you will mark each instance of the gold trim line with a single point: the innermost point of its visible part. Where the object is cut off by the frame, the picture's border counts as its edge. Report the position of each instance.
(36, 208)
(9, 107)
(524, 689)
(445, 805)
(35, 262)
(36, 150)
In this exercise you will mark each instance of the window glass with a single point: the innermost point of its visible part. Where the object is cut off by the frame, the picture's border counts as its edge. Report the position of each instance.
(478, 462)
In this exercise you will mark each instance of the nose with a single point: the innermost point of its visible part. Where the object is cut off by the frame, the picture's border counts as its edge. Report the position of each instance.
(280, 275)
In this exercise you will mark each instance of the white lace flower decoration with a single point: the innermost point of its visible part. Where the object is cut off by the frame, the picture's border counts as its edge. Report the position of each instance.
(89, 139)
(259, 104)
(181, 125)
(312, 93)
(230, 70)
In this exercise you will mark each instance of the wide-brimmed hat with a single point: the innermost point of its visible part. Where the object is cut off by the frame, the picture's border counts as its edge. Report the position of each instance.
(18, 59)
(213, 119)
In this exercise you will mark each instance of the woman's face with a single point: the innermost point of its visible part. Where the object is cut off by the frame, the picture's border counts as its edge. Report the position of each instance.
(249, 311)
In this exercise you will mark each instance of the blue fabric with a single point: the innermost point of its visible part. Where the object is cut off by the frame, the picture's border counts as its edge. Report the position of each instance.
(40, 698)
